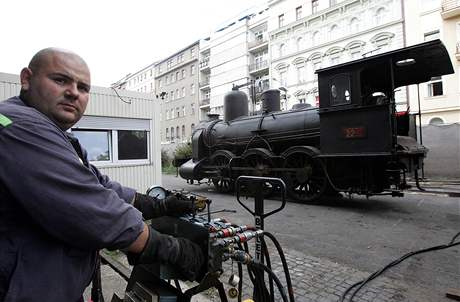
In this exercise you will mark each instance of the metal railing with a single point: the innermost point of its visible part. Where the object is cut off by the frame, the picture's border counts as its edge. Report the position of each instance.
(258, 41)
(204, 102)
(258, 65)
(204, 82)
(449, 4)
(204, 63)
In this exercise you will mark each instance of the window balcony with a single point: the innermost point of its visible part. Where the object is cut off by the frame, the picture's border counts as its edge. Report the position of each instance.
(259, 66)
(204, 83)
(258, 43)
(204, 64)
(450, 9)
(204, 102)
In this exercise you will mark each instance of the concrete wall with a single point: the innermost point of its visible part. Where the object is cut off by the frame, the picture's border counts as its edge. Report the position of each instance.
(443, 159)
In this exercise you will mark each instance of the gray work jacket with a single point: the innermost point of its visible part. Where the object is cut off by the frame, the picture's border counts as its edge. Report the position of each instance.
(56, 210)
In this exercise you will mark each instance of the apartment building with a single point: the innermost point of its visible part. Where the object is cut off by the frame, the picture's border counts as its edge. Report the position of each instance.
(439, 98)
(309, 35)
(176, 85)
(234, 55)
(140, 81)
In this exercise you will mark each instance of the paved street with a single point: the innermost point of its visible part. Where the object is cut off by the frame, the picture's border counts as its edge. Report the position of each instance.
(338, 242)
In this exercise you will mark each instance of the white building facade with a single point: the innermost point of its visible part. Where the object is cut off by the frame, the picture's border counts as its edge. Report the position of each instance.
(307, 36)
(234, 55)
(440, 97)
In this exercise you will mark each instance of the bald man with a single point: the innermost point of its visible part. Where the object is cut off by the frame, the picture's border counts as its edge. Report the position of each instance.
(56, 209)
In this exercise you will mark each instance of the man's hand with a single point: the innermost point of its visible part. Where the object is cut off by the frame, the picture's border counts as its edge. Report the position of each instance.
(181, 253)
(170, 206)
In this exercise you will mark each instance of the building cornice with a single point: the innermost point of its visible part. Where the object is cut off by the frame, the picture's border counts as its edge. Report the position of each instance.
(332, 42)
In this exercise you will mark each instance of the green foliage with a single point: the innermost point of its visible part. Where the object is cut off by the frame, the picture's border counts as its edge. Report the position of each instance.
(183, 151)
(165, 158)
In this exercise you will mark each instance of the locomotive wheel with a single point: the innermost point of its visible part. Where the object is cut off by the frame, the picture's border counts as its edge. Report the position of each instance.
(220, 159)
(304, 177)
(258, 162)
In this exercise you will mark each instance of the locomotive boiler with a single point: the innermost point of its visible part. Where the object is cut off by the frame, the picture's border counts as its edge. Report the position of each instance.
(355, 142)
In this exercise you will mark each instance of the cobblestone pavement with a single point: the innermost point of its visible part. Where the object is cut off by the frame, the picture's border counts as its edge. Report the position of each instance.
(313, 280)
(320, 280)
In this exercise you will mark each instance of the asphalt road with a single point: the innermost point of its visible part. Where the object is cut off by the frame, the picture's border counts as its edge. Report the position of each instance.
(364, 234)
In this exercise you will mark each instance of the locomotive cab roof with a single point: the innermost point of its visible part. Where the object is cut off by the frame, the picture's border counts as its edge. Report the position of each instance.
(371, 80)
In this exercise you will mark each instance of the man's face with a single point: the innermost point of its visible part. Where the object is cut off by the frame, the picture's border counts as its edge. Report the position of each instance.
(58, 87)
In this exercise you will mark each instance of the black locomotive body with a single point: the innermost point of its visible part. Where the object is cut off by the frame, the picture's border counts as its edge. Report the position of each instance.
(355, 142)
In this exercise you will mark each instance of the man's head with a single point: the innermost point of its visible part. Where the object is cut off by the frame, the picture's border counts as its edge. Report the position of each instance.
(57, 83)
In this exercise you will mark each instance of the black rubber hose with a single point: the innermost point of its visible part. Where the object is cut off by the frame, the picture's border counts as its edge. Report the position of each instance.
(263, 267)
(269, 265)
(285, 266)
(361, 284)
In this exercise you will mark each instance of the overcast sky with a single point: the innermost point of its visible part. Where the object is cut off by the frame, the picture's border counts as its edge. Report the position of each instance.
(115, 37)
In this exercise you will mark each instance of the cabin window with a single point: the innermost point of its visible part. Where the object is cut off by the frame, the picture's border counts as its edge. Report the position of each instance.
(339, 90)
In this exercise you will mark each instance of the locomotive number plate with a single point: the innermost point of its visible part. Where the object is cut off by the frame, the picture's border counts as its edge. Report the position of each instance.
(354, 132)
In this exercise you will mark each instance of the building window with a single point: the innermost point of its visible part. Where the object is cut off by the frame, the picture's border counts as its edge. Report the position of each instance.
(315, 38)
(436, 121)
(183, 131)
(333, 32)
(282, 50)
(177, 112)
(354, 25)
(172, 95)
(314, 6)
(433, 35)
(97, 143)
(166, 80)
(192, 69)
(177, 76)
(192, 109)
(192, 52)
(380, 16)
(160, 84)
(114, 146)
(435, 87)
(281, 20)
(177, 93)
(167, 134)
(301, 73)
(298, 13)
(299, 44)
(172, 113)
(183, 91)
(183, 73)
(192, 89)
(192, 127)
(132, 144)
(177, 132)
(172, 133)
(283, 78)
(183, 110)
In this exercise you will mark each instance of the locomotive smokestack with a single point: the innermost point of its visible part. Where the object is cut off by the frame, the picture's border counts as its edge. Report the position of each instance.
(271, 100)
(235, 105)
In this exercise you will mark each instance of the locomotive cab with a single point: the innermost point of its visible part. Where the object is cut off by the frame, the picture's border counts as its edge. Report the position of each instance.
(358, 117)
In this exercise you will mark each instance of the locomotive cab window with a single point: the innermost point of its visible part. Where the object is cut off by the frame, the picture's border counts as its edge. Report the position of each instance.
(339, 90)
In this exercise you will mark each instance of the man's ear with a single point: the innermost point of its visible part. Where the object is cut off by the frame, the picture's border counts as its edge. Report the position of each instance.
(26, 75)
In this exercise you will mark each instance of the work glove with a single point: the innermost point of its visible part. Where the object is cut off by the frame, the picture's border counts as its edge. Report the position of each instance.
(184, 255)
(152, 207)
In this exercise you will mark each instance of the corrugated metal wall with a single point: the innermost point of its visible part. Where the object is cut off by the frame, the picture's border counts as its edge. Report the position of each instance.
(105, 102)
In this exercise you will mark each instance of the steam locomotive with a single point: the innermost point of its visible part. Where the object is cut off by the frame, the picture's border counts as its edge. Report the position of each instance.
(355, 142)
